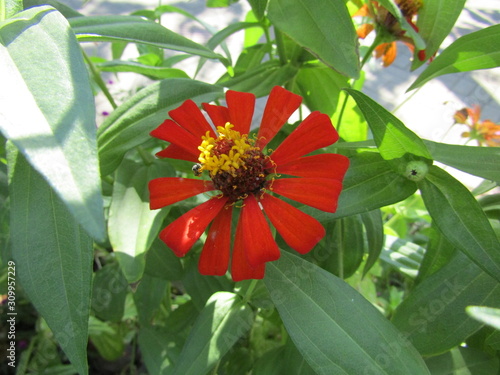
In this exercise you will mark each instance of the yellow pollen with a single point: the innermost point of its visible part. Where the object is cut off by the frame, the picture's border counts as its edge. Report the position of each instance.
(227, 152)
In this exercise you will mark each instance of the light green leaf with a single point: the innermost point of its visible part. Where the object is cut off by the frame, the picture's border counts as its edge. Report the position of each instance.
(323, 314)
(463, 360)
(223, 320)
(53, 257)
(136, 30)
(65, 10)
(132, 225)
(130, 124)
(477, 50)
(403, 255)
(135, 67)
(459, 217)
(107, 339)
(486, 315)
(323, 27)
(397, 144)
(9, 8)
(433, 315)
(435, 21)
(48, 109)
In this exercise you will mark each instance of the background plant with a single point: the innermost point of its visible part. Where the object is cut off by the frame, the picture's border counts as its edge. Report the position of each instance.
(387, 291)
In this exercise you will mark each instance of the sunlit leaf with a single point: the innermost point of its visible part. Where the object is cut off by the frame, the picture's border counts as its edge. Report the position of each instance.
(486, 315)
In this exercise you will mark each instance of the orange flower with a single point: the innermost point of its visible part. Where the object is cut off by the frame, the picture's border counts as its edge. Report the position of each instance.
(485, 132)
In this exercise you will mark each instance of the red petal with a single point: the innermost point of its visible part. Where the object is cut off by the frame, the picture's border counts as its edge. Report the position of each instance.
(189, 116)
(314, 132)
(214, 257)
(260, 246)
(176, 152)
(321, 193)
(240, 269)
(181, 234)
(300, 231)
(217, 113)
(168, 190)
(280, 106)
(241, 106)
(171, 132)
(318, 166)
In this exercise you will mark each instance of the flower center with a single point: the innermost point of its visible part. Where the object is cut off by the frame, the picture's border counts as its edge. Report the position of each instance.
(236, 166)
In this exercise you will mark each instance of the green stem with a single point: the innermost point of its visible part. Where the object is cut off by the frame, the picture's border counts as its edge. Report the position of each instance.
(98, 79)
(249, 292)
(146, 157)
(340, 253)
(280, 46)
(342, 110)
(368, 54)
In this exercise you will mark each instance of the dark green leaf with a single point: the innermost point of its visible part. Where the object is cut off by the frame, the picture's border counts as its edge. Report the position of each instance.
(130, 124)
(65, 10)
(459, 217)
(433, 316)
(132, 225)
(148, 296)
(397, 144)
(323, 314)
(136, 30)
(48, 109)
(463, 360)
(403, 255)
(479, 161)
(159, 348)
(223, 320)
(162, 262)
(374, 228)
(435, 21)
(53, 257)
(477, 50)
(109, 290)
(323, 27)
(258, 7)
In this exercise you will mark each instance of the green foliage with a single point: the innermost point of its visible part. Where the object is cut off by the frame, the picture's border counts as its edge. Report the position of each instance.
(405, 280)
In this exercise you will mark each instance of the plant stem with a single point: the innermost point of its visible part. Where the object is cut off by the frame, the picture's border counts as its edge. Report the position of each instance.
(98, 79)
(340, 253)
(146, 157)
(280, 46)
(249, 292)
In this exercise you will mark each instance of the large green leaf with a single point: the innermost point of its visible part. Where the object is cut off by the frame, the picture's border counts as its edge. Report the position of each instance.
(477, 50)
(53, 257)
(459, 217)
(132, 225)
(323, 27)
(323, 315)
(397, 144)
(223, 320)
(479, 161)
(433, 315)
(463, 360)
(136, 30)
(435, 21)
(130, 124)
(109, 290)
(48, 109)
(148, 296)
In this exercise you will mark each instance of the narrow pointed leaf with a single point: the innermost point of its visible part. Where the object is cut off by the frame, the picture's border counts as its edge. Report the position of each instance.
(477, 50)
(130, 124)
(374, 228)
(323, 27)
(223, 320)
(48, 109)
(486, 315)
(322, 314)
(53, 257)
(460, 218)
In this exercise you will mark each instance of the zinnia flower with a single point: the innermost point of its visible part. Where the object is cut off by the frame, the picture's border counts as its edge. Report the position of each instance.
(247, 176)
(484, 132)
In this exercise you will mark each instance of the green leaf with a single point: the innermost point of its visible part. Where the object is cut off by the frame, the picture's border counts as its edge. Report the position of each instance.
(486, 315)
(463, 360)
(223, 320)
(161, 262)
(479, 161)
(323, 314)
(53, 257)
(369, 183)
(459, 217)
(435, 21)
(132, 225)
(403, 255)
(320, 87)
(130, 124)
(159, 348)
(109, 291)
(433, 315)
(48, 109)
(107, 339)
(374, 228)
(397, 144)
(136, 30)
(9, 8)
(477, 50)
(323, 27)
(135, 67)
(148, 296)
(258, 7)
(65, 10)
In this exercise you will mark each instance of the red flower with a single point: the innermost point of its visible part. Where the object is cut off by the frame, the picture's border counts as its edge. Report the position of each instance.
(244, 173)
